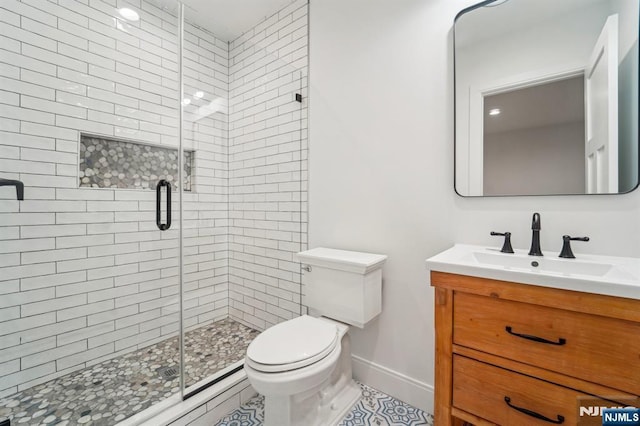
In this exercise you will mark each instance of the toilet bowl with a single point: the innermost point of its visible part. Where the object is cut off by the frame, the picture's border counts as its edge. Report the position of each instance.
(303, 366)
(308, 380)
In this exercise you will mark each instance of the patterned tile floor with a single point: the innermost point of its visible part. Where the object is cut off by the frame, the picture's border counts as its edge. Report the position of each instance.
(116, 389)
(374, 408)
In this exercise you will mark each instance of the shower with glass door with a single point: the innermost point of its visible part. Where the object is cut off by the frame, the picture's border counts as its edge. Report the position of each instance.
(153, 159)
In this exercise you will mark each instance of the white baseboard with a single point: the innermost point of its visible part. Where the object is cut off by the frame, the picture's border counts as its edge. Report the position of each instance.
(398, 385)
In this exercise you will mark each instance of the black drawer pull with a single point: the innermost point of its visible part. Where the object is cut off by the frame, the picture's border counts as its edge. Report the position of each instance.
(163, 226)
(561, 341)
(533, 413)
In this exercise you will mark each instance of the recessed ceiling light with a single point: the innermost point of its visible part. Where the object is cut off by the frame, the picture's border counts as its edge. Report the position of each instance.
(199, 94)
(129, 14)
(186, 101)
(495, 111)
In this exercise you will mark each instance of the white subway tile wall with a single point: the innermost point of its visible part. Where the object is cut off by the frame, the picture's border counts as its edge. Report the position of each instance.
(85, 275)
(268, 66)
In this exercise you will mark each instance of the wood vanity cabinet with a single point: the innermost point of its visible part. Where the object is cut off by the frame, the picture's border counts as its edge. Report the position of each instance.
(506, 352)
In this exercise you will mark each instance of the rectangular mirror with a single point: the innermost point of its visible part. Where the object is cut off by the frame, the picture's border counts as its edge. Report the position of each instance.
(546, 97)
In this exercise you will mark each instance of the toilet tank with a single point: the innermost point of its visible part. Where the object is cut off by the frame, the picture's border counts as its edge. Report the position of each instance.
(344, 285)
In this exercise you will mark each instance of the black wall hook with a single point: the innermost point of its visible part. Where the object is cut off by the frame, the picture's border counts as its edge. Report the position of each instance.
(19, 187)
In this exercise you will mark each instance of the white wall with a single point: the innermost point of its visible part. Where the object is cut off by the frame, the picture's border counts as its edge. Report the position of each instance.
(381, 173)
(540, 160)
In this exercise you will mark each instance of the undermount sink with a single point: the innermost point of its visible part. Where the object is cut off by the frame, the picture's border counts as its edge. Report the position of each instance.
(615, 276)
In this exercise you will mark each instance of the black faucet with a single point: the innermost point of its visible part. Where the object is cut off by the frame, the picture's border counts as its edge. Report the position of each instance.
(535, 238)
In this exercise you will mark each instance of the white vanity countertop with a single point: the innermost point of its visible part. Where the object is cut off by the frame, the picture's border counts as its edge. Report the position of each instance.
(607, 275)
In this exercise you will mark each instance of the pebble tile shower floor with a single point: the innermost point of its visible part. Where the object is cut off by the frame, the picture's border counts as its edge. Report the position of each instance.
(374, 409)
(118, 388)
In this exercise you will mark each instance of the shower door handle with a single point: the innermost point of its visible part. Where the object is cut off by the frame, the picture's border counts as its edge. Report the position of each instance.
(163, 226)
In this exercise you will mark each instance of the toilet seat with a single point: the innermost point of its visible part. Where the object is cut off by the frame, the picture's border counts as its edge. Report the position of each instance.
(292, 344)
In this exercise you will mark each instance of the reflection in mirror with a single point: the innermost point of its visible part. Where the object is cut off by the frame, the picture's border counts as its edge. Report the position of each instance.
(535, 135)
(546, 97)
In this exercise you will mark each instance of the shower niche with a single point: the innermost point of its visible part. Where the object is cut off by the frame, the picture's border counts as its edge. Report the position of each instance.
(113, 163)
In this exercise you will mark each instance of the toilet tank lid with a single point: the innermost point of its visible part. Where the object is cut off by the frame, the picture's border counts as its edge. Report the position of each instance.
(351, 261)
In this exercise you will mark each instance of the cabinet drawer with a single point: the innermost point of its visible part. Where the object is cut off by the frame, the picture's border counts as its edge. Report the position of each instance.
(481, 389)
(594, 348)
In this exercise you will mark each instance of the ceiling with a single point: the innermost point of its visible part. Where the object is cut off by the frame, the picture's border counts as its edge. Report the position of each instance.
(228, 19)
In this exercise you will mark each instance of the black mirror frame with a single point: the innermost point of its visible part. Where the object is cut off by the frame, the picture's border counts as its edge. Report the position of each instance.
(470, 9)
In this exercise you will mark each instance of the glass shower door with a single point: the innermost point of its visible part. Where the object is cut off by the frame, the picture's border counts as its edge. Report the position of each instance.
(244, 116)
(89, 271)
(214, 343)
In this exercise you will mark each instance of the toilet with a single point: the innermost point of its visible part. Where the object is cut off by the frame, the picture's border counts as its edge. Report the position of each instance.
(303, 366)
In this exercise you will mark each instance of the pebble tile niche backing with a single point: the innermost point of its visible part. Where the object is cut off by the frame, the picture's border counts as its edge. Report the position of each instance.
(112, 163)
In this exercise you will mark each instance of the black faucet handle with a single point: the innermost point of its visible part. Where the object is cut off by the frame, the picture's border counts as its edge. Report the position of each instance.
(566, 252)
(506, 246)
